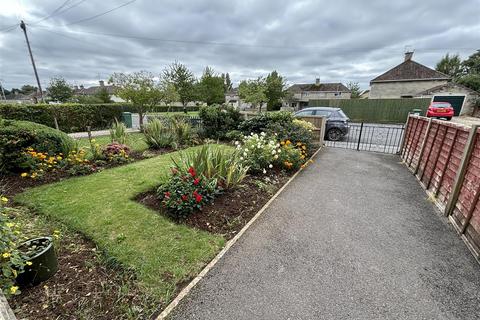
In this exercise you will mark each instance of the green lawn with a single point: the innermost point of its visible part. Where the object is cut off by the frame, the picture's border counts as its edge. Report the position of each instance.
(135, 141)
(169, 114)
(100, 206)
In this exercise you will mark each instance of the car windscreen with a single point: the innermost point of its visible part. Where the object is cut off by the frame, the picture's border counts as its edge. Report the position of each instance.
(341, 114)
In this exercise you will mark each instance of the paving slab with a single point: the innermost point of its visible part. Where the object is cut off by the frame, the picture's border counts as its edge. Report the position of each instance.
(353, 237)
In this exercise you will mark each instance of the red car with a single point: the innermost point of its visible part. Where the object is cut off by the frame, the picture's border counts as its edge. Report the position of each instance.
(440, 110)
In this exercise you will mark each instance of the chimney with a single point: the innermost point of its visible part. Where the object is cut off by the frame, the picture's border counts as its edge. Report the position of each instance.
(102, 83)
(408, 55)
(317, 81)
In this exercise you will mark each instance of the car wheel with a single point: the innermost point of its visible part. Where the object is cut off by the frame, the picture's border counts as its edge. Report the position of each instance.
(334, 134)
(448, 118)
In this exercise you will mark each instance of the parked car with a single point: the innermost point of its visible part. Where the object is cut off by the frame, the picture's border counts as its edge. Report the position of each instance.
(440, 110)
(337, 122)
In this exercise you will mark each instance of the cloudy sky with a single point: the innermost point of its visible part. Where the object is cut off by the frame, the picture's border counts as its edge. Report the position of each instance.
(335, 40)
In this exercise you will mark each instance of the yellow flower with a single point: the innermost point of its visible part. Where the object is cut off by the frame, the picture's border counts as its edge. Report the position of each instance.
(287, 142)
(23, 175)
(10, 224)
(6, 255)
(28, 263)
(4, 200)
(13, 289)
(59, 158)
(303, 147)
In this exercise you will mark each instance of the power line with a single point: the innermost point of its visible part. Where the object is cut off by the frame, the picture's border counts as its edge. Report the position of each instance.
(101, 14)
(53, 14)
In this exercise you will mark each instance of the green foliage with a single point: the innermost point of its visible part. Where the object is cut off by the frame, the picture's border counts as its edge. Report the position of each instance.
(471, 81)
(450, 65)
(290, 157)
(182, 79)
(354, 88)
(181, 130)
(158, 134)
(258, 152)
(117, 153)
(211, 88)
(102, 95)
(140, 88)
(262, 122)
(75, 117)
(118, 132)
(59, 90)
(17, 136)
(227, 82)
(253, 91)
(218, 120)
(233, 135)
(213, 163)
(274, 90)
(186, 192)
(168, 93)
(85, 99)
(472, 63)
(375, 110)
(12, 260)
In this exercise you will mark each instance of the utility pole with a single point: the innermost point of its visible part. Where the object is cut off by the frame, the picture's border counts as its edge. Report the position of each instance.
(24, 28)
(3, 91)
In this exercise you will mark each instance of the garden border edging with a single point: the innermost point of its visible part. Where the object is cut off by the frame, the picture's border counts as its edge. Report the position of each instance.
(185, 291)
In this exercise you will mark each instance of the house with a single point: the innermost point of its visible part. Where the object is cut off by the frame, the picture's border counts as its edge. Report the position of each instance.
(90, 91)
(364, 94)
(233, 99)
(411, 79)
(303, 93)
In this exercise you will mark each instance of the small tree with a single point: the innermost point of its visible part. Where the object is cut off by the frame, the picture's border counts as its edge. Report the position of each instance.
(183, 81)
(168, 94)
(253, 91)
(450, 65)
(274, 90)
(354, 88)
(139, 88)
(211, 88)
(472, 63)
(59, 90)
(103, 95)
(227, 82)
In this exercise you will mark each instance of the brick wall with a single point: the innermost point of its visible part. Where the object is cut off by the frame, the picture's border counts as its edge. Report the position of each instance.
(434, 153)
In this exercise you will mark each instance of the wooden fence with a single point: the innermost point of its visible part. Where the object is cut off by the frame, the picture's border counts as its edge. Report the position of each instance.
(445, 158)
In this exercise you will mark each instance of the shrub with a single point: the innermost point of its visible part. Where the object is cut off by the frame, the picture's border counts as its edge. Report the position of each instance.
(259, 152)
(290, 157)
(304, 124)
(263, 122)
(158, 135)
(12, 261)
(181, 130)
(17, 136)
(116, 152)
(218, 120)
(186, 192)
(234, 135)
(37, 164)
(79, 164)
(118, 132)
(214, 163)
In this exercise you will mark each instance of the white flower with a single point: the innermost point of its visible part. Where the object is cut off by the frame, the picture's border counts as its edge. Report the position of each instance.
(241, 158)
(246, 149)
(263, 133)
(244, 154)
(264, 171)
(270, 166)
(273, 151)
(237, 143)
(276, 156)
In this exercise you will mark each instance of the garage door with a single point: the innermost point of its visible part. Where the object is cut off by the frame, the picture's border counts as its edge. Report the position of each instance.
(455, 101)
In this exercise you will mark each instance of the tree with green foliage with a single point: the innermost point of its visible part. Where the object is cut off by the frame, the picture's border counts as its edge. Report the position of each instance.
(103, 95)
(275, 90)
(253, 91)
(211, 88)
(140, 88)
(354, 88)
(183, 80)
(59, 90)
(227, 82)
(471, 65)
(471, 81)
(28, 89)
(450, 65)
(168, 94)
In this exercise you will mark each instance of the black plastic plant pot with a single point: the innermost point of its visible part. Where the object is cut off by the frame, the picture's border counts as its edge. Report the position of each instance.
(44, 261)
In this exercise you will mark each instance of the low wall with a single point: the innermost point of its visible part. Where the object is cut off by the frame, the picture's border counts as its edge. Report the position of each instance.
(445, 157)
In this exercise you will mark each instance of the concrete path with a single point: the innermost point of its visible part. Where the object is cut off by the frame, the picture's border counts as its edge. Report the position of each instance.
(353, 237)
(98, 133)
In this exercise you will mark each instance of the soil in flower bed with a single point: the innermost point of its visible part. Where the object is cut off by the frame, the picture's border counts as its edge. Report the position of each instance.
(14, 184)
(85, 287)
(231, 210)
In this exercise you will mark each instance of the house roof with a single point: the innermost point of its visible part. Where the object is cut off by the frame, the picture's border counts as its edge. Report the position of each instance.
(447, 86)
(410, 70)
(92, 90)
(325, 87)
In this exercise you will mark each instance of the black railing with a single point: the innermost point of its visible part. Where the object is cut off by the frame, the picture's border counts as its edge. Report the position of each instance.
(371, 137)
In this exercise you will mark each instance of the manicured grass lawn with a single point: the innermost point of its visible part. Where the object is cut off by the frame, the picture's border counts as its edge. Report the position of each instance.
(100, 206)
(168, 114)
(135, 141)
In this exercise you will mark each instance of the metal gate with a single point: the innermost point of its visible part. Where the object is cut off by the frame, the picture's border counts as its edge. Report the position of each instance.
(371, 137)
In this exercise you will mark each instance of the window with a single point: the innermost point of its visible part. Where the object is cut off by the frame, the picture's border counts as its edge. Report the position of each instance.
(306, 113)
(324, 113)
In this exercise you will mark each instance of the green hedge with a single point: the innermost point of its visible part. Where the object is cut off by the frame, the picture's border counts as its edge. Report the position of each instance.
(375, 110)
(74, 117)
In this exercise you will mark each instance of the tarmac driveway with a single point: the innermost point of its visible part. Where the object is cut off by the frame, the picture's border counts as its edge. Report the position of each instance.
(353, 237)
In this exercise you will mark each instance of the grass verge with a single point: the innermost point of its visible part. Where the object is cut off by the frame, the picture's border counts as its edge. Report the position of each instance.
(161, 253)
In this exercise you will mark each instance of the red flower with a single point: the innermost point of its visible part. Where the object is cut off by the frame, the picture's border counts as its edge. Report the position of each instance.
(196, 181)
(167, 195)
(192, 172)
(197, 196)
(184, 197)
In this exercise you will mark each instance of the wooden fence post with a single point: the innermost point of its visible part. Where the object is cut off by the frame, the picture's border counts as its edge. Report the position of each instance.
(422, 147)
(462, 169)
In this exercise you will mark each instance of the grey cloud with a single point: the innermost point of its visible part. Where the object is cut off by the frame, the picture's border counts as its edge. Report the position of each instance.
(337, 41)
